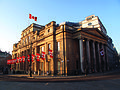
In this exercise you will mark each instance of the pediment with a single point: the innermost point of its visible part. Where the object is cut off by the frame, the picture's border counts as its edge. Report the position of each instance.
(95, 32)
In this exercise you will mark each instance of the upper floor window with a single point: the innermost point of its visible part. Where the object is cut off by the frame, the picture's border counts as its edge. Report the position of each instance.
(43, 48)
(89, 24)
(49, 47)
(28, 38)
(48, 30)
(23, 42)
(58, 46)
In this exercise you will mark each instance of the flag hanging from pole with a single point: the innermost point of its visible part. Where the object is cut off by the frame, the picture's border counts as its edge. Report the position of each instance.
(28, 58)
(32, 17)
(23, 58)
(33, 57)
(51, 54)
(43, 55)
(101, 52)
(37, 57)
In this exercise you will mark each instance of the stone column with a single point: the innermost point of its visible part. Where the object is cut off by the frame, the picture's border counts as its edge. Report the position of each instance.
(81, 54)
(104, 57)
(107, 57)
(88, 55)
(99, 57)
(94, 56)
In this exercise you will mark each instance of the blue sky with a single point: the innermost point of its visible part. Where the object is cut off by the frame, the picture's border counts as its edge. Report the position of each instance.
(14, 16)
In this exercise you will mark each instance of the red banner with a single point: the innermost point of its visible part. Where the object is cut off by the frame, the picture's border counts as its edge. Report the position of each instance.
(8, 61)
(43, 55)
(51, 54)
(37, 57)
(28, 58)
(13, 61)
(23, 58)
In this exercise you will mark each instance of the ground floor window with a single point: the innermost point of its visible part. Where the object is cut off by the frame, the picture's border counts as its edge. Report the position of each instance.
(58, 67)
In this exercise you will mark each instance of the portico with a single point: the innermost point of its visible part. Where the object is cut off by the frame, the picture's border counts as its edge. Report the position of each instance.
(90, 57)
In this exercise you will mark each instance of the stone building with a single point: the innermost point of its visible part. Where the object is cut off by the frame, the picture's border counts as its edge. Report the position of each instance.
(4, 56)
(76, 47)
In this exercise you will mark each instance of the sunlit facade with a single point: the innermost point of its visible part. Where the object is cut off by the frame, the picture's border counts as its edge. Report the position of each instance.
(75, 48)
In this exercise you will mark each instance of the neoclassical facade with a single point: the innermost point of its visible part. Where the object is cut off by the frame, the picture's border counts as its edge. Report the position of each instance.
(75, 48)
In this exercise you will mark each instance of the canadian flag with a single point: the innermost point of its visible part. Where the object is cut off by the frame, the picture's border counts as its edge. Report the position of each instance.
(33, 57)
(17, 61)
(32, 17)
(101, 52)
(20, 59)
(51, 54)
(37, 56)
(28, 58)
(23, 58)
(43, 55)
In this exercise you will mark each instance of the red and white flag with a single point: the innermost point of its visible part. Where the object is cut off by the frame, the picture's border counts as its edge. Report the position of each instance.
(51, 54)
(43, 55)
(17, 60)
(20, 59)
(37, 56)
(13, 61)
(23, 58)
(33, 57)
(28, 58)
(32, 17)
(101, 52)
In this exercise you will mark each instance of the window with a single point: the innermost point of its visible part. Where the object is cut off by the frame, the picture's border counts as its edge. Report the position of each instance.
(48, 30)
(29, 39)
(58, 67)
(42, 48)
(89, 24)
(58, 46)
(23, 42)
(48, 48)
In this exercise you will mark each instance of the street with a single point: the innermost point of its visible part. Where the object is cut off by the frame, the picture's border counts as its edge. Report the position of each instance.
(91, 85)
(91, 82)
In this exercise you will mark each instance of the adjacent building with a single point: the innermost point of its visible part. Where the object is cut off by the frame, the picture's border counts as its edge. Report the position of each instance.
(76, 48)
(4, 56)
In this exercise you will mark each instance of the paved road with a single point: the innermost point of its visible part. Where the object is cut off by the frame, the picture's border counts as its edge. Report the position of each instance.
(94, 82)
(113, 84)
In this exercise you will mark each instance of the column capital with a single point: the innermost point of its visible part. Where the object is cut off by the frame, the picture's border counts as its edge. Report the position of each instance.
(80, 37)
(93, 41)
(88, 39)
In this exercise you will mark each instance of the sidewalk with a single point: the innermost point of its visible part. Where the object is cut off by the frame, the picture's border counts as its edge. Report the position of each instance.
(63, 77)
